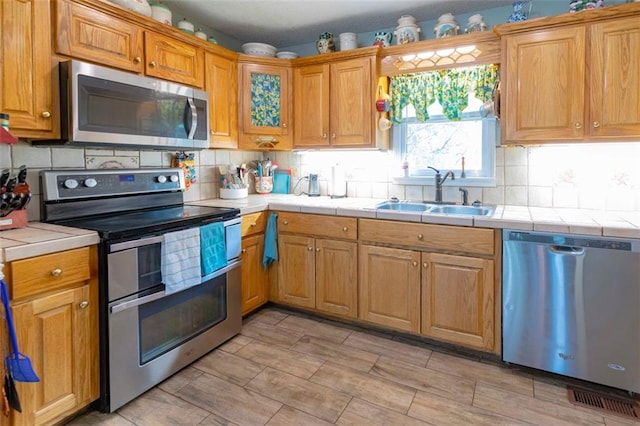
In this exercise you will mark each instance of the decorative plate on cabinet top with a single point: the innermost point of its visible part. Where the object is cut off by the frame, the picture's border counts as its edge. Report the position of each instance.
(259, 49)
(287, 55)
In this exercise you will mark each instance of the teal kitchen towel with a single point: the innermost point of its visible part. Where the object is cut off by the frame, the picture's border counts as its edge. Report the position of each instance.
(212, 247)
(271, 241)
(281, 183)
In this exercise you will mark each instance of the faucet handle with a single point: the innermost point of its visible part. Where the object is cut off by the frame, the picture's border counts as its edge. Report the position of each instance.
(465, 196)
(434, 169)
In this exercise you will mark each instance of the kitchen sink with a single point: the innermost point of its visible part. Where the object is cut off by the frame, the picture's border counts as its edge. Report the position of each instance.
(416, 206)
(463, 210)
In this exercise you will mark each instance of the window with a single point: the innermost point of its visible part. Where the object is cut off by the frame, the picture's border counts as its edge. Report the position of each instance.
(441, 137)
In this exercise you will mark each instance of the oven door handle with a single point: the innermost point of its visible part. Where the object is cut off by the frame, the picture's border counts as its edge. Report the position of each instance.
(135, 243)
(137, 302)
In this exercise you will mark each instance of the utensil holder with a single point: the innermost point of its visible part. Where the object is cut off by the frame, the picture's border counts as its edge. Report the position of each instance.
(264, 184)
(233, 194)
(15, 219)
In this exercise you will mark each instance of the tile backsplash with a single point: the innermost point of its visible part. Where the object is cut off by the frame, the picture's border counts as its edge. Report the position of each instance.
(592, 176)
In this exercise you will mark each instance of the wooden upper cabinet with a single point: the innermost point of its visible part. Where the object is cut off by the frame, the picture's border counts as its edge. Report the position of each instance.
(333, 104)
(221, 82)
(174, 60)
(28, 83)
(89, 34)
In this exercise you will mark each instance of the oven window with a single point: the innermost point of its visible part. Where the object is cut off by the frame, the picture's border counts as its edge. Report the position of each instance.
(175, 319)
(149, 270)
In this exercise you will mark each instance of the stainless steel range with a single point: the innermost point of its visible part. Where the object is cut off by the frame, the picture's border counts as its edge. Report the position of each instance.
(169, 272)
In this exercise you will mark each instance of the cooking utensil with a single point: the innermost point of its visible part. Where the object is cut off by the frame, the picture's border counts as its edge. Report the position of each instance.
(4, 178)
(18, 364)
(10, 398)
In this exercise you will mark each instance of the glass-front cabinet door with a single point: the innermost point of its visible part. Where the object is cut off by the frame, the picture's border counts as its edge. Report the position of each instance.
(265, 106)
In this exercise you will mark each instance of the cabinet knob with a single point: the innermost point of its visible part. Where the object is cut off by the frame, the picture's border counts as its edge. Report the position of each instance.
(84, 304)
(152, 64)
(284, 222)
(56, 272)
(310, 248)
(211, 132)
(420, 236)
(425, 265)
(46, 114)
(596, 124)
(333, 135)
(414, 263)
(137, 60)
(578, 125)
(254, 224)
(345, 229)
(284, 125)
(243, 251)
(324, 135)
(318, 249)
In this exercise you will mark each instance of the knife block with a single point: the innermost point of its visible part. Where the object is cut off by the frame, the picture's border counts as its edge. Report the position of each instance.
(15, 219)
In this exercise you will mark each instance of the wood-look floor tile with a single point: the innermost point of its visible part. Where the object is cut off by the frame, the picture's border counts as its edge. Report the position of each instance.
(268, 316)
(618, 421)
(95, 418)
(387, 347)
(311, 398)
(424, 379)
(271, 334)
(230, 367)
(529, 409)
(158, 407)
(360, 412)
(348, 356)
(216, 420)
(179, 380)
(288, 416)
(301, 365)
(500, 376)
(235, 344)
(230, 401)
(314, 328)
(365, 386)
(437, 410)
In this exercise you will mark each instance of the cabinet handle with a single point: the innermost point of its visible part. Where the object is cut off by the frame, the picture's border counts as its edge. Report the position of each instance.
(578, 125)
(284, 222)
(137, 60)
(56, 272)
(310, 248)
(84, 304)
(284, 125)
(324, 135)
(420, 236)
(152, 64)
(46, 114)
(414, 263)
(596, 124)
(254, 224)
(318, 250)
(345, 229)
(425, 265)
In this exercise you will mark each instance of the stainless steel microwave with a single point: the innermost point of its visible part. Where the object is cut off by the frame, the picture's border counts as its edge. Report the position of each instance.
(104, 107)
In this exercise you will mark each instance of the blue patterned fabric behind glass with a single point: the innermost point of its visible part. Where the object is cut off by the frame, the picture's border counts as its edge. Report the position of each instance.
(265, 100)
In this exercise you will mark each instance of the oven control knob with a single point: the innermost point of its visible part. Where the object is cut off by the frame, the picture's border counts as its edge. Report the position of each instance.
(173, 178)
(90, 182)
(70, 183)
(161, 179)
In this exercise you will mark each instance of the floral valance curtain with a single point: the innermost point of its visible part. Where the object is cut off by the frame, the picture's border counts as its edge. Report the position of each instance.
(450, 87)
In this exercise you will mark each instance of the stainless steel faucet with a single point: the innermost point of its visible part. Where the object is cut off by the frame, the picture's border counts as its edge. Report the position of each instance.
(439, 181)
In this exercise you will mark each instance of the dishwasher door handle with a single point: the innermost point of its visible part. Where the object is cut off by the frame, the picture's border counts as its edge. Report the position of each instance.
(570, 250)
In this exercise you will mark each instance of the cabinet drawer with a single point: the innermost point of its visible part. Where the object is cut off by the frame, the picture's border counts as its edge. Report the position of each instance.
(428, 237)
(318, 225)
(50, 272)
(254, 223)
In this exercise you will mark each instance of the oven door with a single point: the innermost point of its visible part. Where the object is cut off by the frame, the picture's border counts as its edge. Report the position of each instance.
(152, 336)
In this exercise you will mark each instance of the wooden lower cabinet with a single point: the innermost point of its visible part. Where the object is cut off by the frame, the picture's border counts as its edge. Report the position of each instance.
(318, 273)
(55, 310)
(458, 300)
(255, 289)
(390, 287)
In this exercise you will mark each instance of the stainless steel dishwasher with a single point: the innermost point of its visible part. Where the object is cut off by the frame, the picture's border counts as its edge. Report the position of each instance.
(571, 306)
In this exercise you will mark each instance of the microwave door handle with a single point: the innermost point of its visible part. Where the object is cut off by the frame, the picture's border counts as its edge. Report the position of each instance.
(194, 119)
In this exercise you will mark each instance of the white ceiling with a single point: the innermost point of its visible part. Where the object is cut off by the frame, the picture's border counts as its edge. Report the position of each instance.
(284, 23)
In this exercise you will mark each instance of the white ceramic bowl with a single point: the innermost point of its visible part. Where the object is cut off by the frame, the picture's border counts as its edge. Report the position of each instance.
(259, 49)
(287, 55)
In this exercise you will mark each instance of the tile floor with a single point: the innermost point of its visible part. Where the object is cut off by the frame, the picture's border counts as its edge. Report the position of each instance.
(289, 369)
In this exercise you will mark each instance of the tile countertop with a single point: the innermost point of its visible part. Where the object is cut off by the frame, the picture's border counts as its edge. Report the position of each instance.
(42, 238)
(568, 221)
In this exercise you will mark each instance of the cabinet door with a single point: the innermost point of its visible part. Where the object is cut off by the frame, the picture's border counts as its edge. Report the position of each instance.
(27, 86)
(296, 270)
(337, 277)
(544, 90)
(458, 300)
(614, 78)
(221, 82)
(173, 60)
(390, 287)
(351, 103)
(56, 333)
(311, 105)
(254, 276)
(94, 36)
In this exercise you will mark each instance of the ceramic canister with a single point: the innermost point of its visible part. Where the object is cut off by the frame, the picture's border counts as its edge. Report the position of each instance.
(446, 26)
(476, 24)
(140, 6)
(161, 13)
(407, 30)
(325, 43)
(201, 34)
(186, 26)
(348, 41)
